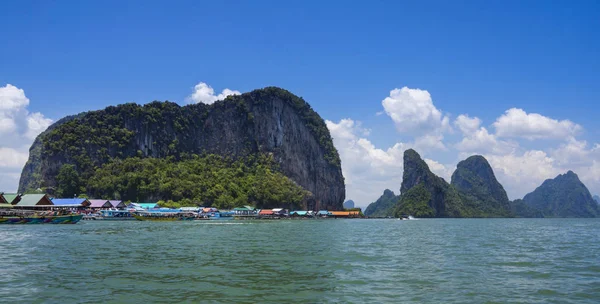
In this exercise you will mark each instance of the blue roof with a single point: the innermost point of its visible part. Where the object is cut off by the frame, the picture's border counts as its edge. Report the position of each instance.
(148, 205)
(299, 212)
(68, 201)
(323, 212)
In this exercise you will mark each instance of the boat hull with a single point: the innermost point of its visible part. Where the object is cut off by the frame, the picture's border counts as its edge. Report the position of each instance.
(162, 218)
(54, 219)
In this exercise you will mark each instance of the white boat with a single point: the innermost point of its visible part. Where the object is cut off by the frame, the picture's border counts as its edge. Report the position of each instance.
(116, 215)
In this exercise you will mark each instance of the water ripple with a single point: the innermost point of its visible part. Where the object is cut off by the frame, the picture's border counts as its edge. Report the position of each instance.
(347, 261)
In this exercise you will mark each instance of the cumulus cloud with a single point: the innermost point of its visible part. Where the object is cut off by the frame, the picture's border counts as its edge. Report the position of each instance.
(367, 170)
(467, 125)
(12, 158)
(12, 98)
(444, 171)
(206, 94)
(18, 129)
(412, 111)
(518, 124)
(36, 124)
(522, 173)
(477, 139)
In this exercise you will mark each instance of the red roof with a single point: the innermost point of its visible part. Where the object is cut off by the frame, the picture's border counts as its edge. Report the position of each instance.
(266, 212)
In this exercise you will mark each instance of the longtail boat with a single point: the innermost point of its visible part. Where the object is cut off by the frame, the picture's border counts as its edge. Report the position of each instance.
(38, 217)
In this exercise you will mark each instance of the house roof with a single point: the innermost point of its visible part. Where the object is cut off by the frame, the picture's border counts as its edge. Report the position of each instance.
(148, 205)
(299, 212)
(277, 209)
(266, 212)
(95, 203)
(33, 200)
(243, 209)
(10, 197)
(116, 203)
(71, 202)
(323, 212)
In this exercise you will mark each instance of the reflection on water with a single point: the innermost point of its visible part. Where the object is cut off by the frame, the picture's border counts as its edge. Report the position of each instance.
(359, 261)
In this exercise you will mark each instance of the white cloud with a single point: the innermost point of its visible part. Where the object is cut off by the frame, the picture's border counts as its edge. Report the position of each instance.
(18, 129)
(522, 173)
(206, 94)
(429, 142)
(444, 171)
(412, 111)
(477, 139)
(12, 158)
(36, 124)
(12, 98)
(572, 152)
(367, 170)
(518, 124)
(466, 124)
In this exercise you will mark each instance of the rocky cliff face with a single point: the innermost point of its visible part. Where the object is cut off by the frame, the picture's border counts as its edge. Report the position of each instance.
(479, 189)
(442, 198)
(563, 196)
(474, 191)
(271, 121)
(596, 198)
(384, 206)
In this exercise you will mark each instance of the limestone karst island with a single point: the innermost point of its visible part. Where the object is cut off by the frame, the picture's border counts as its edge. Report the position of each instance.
(231, 151)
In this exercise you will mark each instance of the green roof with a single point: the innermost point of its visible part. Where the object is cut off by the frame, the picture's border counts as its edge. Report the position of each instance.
(148, 205)
(6, 206)
(10, 197)
(32, 200)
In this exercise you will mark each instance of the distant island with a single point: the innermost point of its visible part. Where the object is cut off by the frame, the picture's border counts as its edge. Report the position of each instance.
(267, 148)
(474, 191)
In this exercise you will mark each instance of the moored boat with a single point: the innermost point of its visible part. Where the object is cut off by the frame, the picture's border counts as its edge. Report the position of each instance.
(163, 216)
(117, 215)
(38, 217)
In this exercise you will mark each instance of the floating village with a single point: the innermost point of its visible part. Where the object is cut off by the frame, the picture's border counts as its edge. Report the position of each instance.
(43, 209)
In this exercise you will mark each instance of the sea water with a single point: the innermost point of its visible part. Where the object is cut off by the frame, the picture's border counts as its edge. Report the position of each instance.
(303, 261)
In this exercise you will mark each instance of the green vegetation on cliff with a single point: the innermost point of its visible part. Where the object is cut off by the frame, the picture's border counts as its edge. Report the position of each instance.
(563, 196)
(384, 206)
(170, 130)
(475, 192)
(269, 121)
(69, 182)
(443, 198)
(209, 181)
(479, 189)
(519, 209)
(415, 202)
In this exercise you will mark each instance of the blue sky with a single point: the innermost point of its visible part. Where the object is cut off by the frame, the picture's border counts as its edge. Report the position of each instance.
(479, 58)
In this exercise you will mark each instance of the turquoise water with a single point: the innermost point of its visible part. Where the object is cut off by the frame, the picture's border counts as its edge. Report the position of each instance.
(312, 261)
